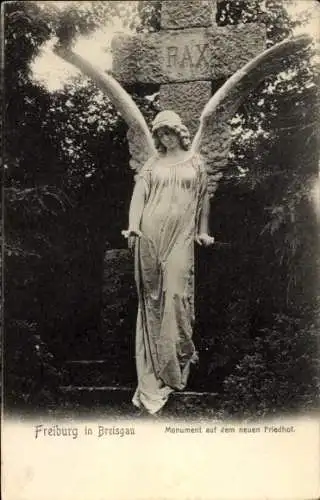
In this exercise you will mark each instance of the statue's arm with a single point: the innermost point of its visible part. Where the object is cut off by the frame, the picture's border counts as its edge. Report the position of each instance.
(202, 229)
(204, 216)
(203, 238)
(135, 211)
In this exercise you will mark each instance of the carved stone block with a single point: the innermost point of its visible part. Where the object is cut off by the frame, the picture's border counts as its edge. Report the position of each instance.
(186, 55)
(196, 94)
(233, 46)
(185, 14)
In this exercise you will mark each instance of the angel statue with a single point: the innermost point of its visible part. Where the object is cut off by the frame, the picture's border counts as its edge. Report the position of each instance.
(169, 212)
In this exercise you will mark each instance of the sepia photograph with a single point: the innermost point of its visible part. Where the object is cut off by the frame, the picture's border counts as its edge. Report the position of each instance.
(161, 235)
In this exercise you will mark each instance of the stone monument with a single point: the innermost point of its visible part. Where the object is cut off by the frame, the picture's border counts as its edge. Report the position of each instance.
(189, 58)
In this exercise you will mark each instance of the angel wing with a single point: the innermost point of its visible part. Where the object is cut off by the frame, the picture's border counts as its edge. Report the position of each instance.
(213, 138)
(140, 139)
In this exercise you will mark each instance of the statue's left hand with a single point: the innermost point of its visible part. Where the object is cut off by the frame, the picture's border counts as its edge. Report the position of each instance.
(131, 235)
(127, 233)
(204, 239)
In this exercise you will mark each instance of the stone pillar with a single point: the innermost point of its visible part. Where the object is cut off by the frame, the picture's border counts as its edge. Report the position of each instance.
(185, 57)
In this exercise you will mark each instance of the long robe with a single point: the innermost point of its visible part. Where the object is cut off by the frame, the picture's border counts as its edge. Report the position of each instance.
(164, 274)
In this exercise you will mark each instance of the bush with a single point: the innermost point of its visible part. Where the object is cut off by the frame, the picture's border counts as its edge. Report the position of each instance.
(31, 378)
(278, 373)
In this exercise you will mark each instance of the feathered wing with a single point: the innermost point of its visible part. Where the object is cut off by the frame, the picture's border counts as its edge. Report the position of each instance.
(213, 138)
(140, 139)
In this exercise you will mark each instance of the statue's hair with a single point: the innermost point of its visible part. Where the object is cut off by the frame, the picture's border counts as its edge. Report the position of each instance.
(182, 133)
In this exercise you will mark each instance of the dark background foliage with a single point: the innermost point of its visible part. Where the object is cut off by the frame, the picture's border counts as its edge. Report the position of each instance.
(69, 291)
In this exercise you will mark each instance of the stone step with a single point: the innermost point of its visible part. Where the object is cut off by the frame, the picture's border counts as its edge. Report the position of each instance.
(104, 395)
(120, 389)
(98, 372)
(107, 373)
(116, 400)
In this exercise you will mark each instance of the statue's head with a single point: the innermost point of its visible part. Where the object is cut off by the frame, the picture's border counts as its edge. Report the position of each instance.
(169, 121)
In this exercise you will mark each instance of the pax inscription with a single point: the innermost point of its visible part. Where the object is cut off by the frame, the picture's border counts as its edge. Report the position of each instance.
(187, 56)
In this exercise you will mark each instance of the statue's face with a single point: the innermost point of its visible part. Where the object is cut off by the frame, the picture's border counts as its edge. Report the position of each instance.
(168, 138)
